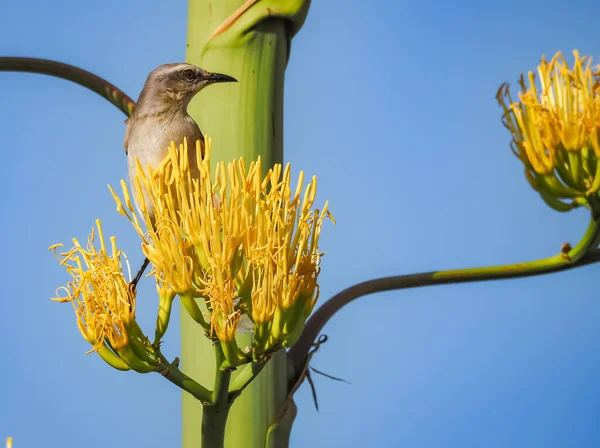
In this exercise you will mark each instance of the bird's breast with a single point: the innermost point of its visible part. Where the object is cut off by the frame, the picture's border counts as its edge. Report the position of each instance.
(150, 139)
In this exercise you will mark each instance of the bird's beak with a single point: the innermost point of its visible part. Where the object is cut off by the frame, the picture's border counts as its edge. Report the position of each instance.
(212, 78)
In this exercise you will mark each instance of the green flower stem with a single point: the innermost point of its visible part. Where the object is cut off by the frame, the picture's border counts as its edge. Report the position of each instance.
(171, 372)
(214, 420)
(112, 359)
(244, 377)
(222, 378)
(194, 311)
(162, 320)
(180, 379)
(214, 416)
(585, 252)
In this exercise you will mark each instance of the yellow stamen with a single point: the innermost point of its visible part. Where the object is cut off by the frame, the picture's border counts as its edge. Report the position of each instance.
(211, 237)
(98, 292)
(555, 127)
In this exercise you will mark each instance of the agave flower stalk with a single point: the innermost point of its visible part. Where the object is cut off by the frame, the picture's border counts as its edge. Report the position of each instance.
(252, 45)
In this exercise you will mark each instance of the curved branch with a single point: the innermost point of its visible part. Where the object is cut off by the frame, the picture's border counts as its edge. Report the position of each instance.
(71, 73)
(579, 256)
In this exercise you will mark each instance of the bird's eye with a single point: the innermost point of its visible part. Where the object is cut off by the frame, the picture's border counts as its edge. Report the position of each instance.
(189, 74)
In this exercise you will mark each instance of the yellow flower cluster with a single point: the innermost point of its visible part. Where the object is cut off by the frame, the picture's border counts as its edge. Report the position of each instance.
(242, 244)
(103, 303)
(555, 130)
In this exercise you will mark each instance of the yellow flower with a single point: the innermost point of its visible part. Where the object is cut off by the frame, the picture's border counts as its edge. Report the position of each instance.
(9, 442)
(103, 303)
(555, 129)
(163, 243)
(245, 242)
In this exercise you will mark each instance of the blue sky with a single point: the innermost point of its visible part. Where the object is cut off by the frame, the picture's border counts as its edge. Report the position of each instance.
(391, 105)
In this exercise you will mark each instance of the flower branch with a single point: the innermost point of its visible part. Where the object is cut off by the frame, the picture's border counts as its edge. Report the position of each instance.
(71, 73)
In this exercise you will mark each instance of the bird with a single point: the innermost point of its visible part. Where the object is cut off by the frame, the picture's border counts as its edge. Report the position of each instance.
(160, 117)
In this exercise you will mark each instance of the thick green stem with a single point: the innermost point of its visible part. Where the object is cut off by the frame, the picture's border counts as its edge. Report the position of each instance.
(243, 119)
(214, 416)
(222, 379)
(214, 420)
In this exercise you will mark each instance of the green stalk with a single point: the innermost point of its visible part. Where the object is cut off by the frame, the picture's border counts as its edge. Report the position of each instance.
(172, 373)
(244, 119)
(214, 416)
(214, 420)
(585, 252)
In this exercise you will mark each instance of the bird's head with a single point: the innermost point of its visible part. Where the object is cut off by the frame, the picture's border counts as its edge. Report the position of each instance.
(178, 83)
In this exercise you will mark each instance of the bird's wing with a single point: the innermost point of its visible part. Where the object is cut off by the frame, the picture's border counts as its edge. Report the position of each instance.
(126, 140)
